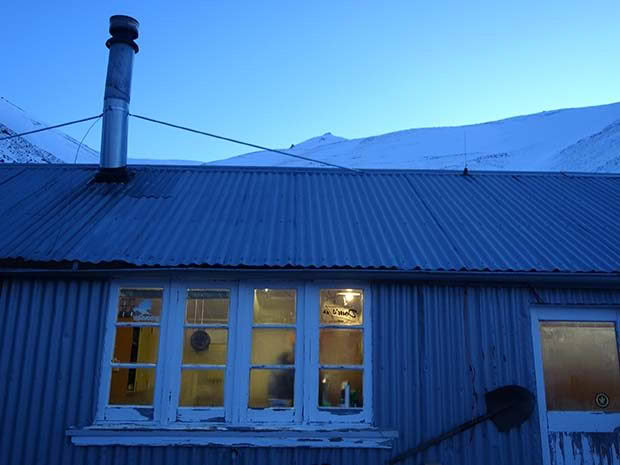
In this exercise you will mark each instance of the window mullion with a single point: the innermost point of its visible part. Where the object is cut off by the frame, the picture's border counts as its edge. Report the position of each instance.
(159, 399)
(618, 331)
(108, 349)
(311, 372)
(231, 375)
(367, 347)
(171, 355)
(243, 345)
(299, 388)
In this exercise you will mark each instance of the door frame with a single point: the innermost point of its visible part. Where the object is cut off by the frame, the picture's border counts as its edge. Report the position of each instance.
(584, 422)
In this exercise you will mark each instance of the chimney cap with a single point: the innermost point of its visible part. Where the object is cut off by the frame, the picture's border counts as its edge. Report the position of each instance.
(123, 29)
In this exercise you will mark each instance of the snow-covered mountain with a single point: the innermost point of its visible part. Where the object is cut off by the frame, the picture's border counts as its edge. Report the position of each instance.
(578, 139)
(53, 146)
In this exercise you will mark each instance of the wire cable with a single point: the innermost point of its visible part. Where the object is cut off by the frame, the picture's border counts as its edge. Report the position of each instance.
(82, 141)
(229, 139)
(52, 127)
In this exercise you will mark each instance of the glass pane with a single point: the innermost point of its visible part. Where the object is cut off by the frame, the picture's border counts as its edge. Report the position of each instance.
(342, 306)
(273, 346)
(202, 388)
(207, 306)
(132, 386)
(136, 345)
(341, 388)
(271, 388)
(205, 346)
(274, 306)
(140, 305)
(341, 347)
(580, 365)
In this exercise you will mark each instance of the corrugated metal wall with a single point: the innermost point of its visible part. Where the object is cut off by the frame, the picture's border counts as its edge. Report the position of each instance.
(439, 350)
(436, 351)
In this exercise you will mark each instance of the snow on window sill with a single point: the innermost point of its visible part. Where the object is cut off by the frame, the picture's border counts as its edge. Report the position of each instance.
(139, 436)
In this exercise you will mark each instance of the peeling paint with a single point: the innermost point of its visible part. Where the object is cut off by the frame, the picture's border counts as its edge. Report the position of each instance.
(145, 412)
(341, 412)
(585, 448)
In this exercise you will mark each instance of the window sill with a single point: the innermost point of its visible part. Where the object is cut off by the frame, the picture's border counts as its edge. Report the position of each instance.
(119, 435)
(583, 421)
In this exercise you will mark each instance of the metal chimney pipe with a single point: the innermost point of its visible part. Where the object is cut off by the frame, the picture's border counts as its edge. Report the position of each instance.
(113, 156)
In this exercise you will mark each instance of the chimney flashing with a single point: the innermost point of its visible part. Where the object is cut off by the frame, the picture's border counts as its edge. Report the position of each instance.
(114, 175)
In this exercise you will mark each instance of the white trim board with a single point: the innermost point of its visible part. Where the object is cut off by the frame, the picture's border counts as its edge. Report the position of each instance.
(299, 438)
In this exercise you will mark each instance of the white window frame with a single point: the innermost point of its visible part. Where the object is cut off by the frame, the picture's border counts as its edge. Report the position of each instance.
(177, 413)
(132, 413)
(319, 414)
(568, 421)
(166, 413)
(246, 414)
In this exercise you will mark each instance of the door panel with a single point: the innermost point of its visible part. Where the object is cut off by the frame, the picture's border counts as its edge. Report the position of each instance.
(578, 384)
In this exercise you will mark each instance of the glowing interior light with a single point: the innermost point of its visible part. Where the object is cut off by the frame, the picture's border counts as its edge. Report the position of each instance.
(348, 295)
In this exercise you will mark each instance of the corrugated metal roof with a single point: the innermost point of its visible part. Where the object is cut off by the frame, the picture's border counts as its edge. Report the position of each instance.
(313, 218)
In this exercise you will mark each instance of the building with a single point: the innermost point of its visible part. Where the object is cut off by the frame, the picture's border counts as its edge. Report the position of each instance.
(215, 315)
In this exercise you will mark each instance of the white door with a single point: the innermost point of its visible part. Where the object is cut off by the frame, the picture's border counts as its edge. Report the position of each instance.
(578, 384)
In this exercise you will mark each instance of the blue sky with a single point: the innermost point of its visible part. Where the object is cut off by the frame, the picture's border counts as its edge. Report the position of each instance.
(276, 73)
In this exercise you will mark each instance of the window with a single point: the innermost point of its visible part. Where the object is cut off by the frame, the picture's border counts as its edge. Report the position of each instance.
(341, 350)
(205, 353)
(131, 373)
(237, 354)
(580, 365)
(577, 368)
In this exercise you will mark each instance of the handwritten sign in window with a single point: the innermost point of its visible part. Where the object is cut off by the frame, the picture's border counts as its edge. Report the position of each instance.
(341, 306)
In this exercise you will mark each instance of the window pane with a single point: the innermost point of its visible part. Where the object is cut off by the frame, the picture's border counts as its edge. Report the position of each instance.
(132, 386)
(205, 346)
(341, 347)
(273, 346)
(274, 306)
(342, 306)
(202, 388)
(207, 306)
(140, 305)
(136, 345)
(580, 362)
(336, 385)
(271, 388)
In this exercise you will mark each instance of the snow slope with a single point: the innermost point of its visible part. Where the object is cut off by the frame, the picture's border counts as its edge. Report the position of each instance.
(578, 139)
(52, 146)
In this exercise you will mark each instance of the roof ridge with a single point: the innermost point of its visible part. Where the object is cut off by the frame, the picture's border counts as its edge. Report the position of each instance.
(289, 169)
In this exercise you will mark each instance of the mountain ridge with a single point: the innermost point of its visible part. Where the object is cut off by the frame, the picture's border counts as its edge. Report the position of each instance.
(52, 146)
(538, 142)
(585, 139)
